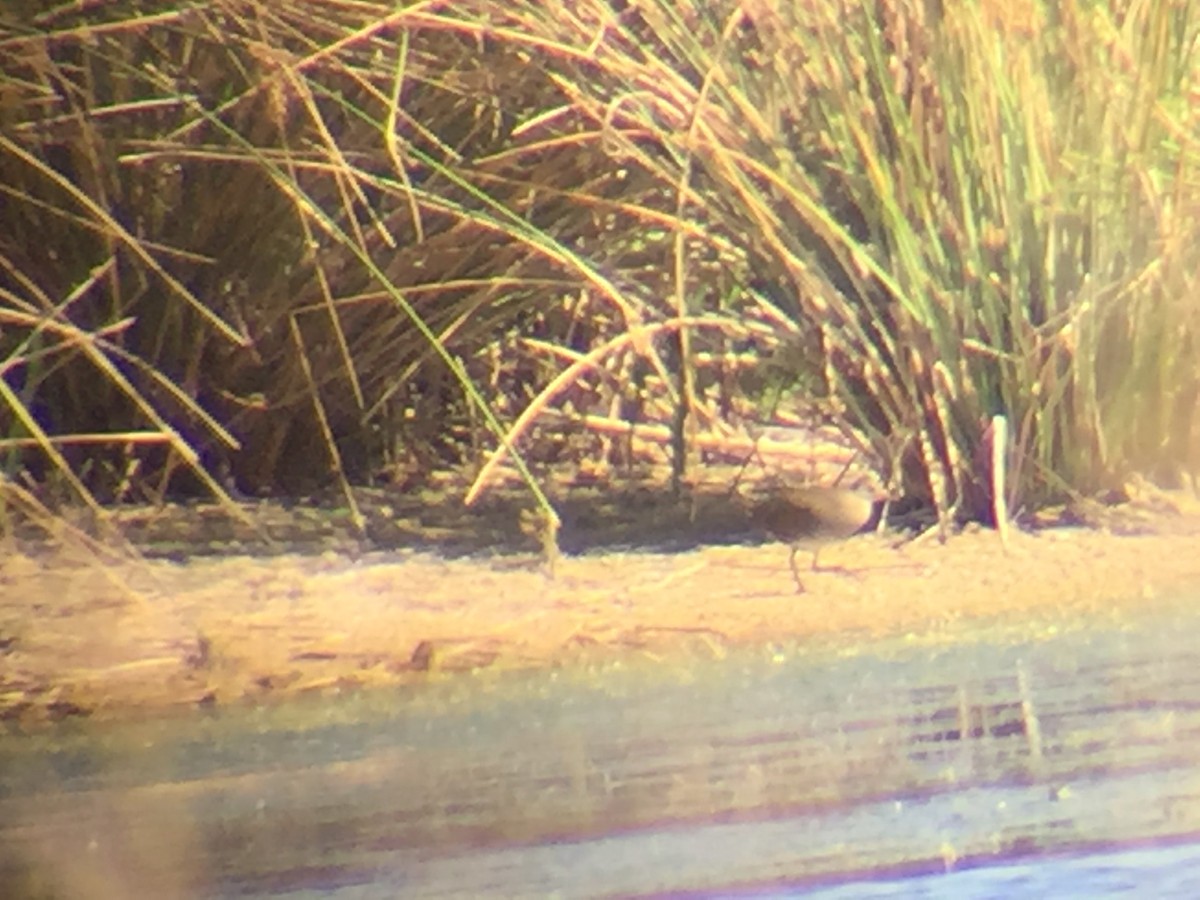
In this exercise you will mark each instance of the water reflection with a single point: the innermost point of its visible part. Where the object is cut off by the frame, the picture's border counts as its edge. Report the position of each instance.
(773, 772)
(1165, 872)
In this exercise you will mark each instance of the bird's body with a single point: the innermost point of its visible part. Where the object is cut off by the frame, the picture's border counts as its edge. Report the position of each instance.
(810, 516)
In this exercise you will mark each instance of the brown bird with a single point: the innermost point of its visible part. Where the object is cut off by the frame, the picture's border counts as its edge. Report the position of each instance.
(810, 516)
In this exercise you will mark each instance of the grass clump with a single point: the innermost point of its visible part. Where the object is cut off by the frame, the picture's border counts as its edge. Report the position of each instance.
(954, 211)
(283, 240)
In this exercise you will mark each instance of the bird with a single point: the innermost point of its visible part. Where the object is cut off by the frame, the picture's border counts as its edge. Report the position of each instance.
(809, 516)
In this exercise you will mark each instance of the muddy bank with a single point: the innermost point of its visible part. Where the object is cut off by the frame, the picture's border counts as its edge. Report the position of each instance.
(136, 636)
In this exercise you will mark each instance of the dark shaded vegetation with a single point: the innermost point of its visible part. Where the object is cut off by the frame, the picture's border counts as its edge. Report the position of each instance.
(268, 247)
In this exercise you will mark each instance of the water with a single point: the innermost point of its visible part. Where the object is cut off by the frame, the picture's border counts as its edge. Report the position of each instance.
(1164, 872)
(1062, 764)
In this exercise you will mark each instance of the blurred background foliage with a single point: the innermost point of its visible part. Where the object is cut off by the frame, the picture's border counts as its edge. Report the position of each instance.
(260, 247)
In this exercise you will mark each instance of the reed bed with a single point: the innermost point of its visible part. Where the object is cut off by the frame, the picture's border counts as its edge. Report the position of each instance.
(267, 246)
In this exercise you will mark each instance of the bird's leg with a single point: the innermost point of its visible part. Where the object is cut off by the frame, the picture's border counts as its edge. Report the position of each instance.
(796, 572)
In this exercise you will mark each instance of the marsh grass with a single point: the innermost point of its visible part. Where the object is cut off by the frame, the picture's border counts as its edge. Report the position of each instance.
(987, 210)
(269, 244)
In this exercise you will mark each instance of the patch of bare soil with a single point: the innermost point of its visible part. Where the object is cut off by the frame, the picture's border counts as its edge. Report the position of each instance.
(142, 635)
